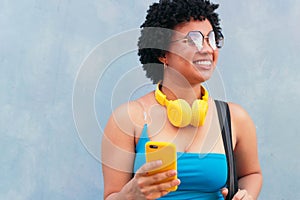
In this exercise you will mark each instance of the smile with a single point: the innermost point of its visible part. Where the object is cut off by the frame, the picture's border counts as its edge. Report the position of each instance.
(202, 62)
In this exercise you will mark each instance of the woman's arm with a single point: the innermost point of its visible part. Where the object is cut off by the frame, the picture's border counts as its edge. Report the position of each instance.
(246, 153)
(117, 153)
(118, 147)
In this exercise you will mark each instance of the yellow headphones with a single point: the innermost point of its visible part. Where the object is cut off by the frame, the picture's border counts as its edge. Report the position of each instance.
(180, 113)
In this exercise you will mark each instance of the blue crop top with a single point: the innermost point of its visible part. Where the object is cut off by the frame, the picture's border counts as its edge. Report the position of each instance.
(202, 175)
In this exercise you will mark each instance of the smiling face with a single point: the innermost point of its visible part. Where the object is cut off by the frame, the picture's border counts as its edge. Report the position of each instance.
(195, 64)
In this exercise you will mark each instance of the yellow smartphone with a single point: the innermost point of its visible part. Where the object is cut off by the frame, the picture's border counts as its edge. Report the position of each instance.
(166, 152)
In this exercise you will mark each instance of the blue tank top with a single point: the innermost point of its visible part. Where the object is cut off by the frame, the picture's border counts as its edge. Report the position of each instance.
(202, 175)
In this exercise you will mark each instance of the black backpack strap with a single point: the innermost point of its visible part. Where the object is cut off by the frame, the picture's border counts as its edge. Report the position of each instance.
(225, 125)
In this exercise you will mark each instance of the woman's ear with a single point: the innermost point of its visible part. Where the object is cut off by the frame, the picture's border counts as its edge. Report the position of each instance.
(163, 60)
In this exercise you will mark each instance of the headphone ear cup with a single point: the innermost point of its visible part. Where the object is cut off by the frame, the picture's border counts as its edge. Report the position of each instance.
(199, 111)
(179, 113)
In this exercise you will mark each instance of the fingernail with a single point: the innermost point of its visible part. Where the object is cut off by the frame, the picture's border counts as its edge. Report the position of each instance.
(158, 162)
(176, 182)
(172, 172)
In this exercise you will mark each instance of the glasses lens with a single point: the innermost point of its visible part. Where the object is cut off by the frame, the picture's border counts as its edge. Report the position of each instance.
(195, 38)
(212, 40)
(220, 41)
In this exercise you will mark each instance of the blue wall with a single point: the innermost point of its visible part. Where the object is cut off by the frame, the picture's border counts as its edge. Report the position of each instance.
(46, 152)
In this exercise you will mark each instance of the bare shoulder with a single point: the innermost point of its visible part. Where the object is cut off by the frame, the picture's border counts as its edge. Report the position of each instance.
(128, 117)
(239, 114)
(125, 118)
(243, 127)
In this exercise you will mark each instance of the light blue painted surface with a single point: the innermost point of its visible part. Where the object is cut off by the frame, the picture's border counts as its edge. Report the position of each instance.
(43, 44)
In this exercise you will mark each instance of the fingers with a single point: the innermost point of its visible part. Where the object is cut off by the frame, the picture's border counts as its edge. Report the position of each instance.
(224, 192)
(156, 178)
(154, 182)
(156, 195)
(148, 167)
(153, 186)
(159, 190)
(165, 186)
(242, 195)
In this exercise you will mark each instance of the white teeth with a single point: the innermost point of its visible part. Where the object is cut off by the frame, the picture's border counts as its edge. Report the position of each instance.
(203, 62)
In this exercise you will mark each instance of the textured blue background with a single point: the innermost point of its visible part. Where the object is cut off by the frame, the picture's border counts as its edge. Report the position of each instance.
(42, 46)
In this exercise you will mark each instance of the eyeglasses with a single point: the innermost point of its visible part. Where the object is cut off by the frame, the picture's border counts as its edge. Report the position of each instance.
(196, 38)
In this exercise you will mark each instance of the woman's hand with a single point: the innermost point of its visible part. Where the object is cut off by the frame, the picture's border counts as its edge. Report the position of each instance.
(144, 186)
(240, 195)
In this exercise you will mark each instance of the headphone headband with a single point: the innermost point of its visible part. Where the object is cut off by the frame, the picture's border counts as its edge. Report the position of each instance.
(161, 98)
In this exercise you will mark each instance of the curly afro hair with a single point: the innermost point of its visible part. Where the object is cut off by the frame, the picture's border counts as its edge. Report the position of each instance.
(157, 29)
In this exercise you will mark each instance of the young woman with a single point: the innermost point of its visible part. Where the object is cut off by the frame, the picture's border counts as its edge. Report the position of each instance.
(178, 48)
